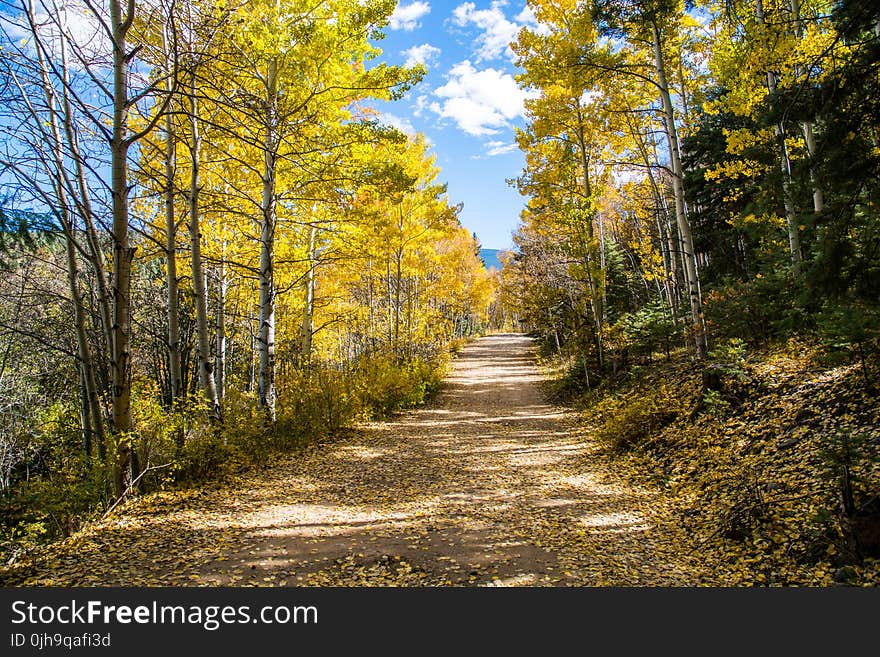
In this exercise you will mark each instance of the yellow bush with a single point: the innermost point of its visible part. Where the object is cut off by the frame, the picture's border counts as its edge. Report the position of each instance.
(629, 422)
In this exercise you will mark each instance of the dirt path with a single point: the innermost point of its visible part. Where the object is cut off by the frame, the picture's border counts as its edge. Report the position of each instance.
(489, 485)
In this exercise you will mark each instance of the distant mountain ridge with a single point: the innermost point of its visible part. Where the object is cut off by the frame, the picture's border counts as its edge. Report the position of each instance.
(491, 259)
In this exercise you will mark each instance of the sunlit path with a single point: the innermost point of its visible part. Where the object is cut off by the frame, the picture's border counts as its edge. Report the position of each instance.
(489, 485)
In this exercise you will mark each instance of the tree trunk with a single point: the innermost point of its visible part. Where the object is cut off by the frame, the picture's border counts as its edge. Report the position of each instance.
(807, 126)
(91, 416)
(220, 330)
(252, 379)
(175, 374)
(94, 253)
(596, 299)
(127, 467)
(308, 327)
(371, 321)
(92, 423)
(398, 277)
(200, 288)
(794, 241)
(665, 235)
(397, 285)
(688, 257)
(85, 414)
(390, 294)
(267, 239)
(93, 427)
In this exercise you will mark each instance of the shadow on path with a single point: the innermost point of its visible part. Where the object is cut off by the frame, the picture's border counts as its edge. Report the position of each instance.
(489, 485)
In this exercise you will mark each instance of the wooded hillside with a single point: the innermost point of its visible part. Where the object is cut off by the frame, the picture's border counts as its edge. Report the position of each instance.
(704, 176)
(214, 250)
(211, 244)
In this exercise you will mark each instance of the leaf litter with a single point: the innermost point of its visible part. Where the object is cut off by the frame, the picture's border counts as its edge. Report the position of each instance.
(488, 485)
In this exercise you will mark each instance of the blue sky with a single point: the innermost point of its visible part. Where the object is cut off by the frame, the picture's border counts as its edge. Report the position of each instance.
(467, 105)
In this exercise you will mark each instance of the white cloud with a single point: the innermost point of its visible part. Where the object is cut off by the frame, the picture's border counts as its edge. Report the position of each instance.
(422, 103)
(623, 176)
(526, 16)
(423, 54)
(80, 28)
(402, 124)
(528, 19)
(498, 148)
(406, 17)
(497, 30)
(590, 97)
(481, 102)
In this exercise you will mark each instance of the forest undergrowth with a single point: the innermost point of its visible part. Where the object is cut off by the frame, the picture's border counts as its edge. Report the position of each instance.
(771, 458)
(184, 452)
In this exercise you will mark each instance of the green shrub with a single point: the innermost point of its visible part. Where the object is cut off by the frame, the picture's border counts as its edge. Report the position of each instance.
(631, 421)
(577, 380)
(182, 443)
(206, 453)
(649, 329)
(761, 309)
(731, 352)
(313, 404)
(60, 488)
(63, 486)
(851, 329)
(384, 385)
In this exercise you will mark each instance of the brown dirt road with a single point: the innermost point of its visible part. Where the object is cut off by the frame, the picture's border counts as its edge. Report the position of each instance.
(488, 485)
